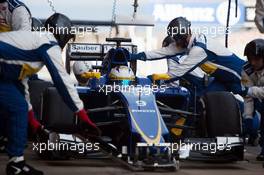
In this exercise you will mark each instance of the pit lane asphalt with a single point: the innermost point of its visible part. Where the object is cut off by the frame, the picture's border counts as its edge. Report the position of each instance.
(107, 167)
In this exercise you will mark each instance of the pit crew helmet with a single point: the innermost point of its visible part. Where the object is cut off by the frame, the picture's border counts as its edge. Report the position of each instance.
(61, 27)
(179, 29)
(167, 41)
(255, 48)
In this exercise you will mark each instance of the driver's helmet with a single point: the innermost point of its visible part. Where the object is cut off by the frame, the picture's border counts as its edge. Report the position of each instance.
(81, 67)
(122, 75)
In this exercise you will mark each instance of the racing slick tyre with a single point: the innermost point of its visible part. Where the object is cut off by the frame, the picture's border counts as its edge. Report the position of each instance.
(221, 115)
(56, 115)
(58, 118)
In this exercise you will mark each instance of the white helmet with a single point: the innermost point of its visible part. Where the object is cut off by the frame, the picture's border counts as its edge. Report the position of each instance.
(80, 67)
(121, 73)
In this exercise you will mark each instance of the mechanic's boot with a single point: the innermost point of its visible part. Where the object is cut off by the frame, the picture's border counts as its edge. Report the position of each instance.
(260, 157)
(21, 168)
(3, 142)
(253, 141)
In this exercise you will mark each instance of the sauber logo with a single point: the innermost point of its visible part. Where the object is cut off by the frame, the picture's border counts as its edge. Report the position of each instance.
(141, 103)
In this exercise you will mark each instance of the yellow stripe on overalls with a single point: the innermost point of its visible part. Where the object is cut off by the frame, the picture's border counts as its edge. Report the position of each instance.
(27, 70)
(208, 68)
(5, 28)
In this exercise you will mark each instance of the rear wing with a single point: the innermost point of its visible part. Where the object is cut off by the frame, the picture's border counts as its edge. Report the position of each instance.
(92, 52)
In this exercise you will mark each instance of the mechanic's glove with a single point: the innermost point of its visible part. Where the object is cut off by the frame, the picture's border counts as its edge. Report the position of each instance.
(40, 133)
(89, 75)
(89, 125)
(33, 123)
(139, 56)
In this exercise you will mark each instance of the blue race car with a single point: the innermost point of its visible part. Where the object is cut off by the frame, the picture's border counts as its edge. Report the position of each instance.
(144, 123)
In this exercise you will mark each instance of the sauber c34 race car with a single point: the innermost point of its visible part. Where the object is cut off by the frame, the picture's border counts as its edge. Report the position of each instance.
(145, 124)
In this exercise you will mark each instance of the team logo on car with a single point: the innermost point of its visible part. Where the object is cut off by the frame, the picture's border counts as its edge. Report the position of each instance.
(141, 103)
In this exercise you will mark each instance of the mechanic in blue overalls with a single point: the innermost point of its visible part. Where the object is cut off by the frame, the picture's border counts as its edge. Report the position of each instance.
(210, 56)
(191, 52)
(197, 79)
(15, 16)
(253, 79)
(22, 54)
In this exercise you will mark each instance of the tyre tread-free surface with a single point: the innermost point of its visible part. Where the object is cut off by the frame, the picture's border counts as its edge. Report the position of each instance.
(222, 114)
(57, 116)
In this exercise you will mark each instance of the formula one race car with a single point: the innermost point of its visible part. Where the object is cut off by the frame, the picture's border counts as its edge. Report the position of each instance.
(128, 119)
(144, 126)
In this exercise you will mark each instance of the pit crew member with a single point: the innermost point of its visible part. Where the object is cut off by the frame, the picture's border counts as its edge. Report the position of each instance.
(22, 54)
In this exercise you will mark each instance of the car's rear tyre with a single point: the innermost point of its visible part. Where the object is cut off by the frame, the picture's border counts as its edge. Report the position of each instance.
(221, 115)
